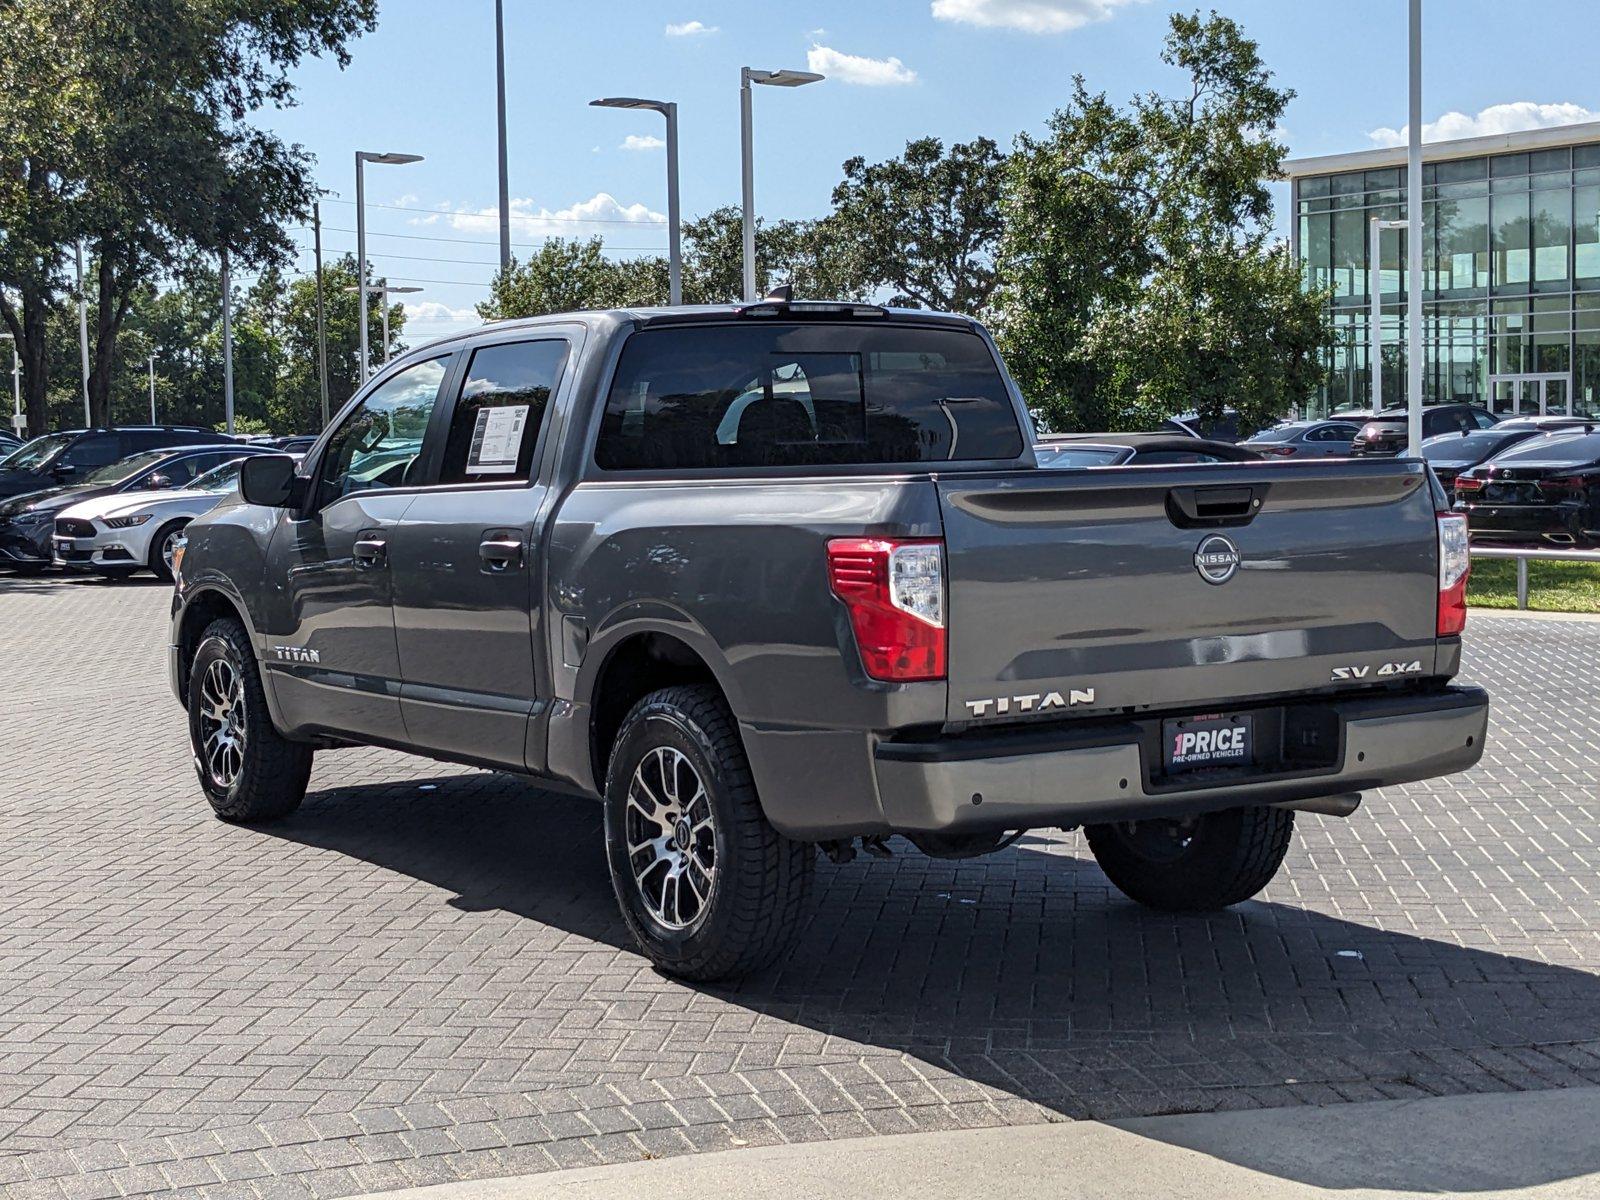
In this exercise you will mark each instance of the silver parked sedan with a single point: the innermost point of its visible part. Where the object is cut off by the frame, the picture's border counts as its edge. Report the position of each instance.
(1328, 438)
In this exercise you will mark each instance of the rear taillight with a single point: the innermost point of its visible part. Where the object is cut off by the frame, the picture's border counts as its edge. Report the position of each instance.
(1454, 567)
(1280, 451)
(1468, 483)
(894, 591)
(1561, 485)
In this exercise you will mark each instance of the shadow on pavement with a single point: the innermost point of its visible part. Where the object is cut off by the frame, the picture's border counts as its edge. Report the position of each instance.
(1026, 972)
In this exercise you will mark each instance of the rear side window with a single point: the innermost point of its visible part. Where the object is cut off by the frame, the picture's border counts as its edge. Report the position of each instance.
(764, 394)
(501, 407)
(93, 450)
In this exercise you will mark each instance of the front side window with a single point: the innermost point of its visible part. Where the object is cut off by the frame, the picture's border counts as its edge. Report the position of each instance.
(502, 404)
(37, 454)
(761, 394)
(220, 480)
(94, 450)
(380, 443)
(126, 468)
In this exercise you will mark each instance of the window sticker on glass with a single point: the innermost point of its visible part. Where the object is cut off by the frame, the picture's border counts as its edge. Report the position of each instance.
(496, 440)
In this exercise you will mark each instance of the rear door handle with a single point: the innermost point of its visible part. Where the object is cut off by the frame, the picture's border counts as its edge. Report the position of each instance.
(370, 549)
(501, 550)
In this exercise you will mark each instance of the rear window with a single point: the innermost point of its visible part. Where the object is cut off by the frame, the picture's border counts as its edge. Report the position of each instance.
(1555, 448)
(784, 394)
(1278, 433)
(1452, 447)
(1079, 456)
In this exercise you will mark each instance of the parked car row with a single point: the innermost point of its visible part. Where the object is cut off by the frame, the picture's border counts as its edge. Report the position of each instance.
(112, 501)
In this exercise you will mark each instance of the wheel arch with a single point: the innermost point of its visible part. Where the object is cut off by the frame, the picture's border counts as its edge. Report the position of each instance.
(201, 607)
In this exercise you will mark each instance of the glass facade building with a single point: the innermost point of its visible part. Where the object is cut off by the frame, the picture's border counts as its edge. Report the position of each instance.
(1510, 270)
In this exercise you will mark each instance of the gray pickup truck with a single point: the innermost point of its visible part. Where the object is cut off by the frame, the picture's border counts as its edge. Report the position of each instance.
(775, 579)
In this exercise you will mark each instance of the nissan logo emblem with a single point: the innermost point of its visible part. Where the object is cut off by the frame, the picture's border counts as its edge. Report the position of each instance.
(1217, 559)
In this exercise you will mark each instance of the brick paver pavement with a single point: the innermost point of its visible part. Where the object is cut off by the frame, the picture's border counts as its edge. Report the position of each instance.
(421, 976)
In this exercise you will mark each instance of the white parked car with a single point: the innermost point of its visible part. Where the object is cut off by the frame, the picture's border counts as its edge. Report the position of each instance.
(119, 534)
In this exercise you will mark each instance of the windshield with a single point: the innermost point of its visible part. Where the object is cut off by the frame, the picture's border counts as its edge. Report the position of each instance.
(35, 454)
(219, 479)
(1056, 457)
(127, 468)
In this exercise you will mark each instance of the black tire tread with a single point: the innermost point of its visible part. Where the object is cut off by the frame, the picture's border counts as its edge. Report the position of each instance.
(153, 559)
(277, 771)
(1246, 847)
(770, 894)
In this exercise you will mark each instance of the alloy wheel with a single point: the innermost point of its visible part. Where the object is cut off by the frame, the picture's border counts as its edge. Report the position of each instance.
(671, 838)
(222, 731)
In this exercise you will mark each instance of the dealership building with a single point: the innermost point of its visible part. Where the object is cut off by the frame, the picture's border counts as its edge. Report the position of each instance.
(1510, 269)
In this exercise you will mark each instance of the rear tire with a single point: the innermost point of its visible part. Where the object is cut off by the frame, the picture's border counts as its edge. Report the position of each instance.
(708, 887)
(248, 770)
(160, 560)
(1196, 864)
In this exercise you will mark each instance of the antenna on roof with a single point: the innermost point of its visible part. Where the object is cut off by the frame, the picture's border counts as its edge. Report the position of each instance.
(781, 294)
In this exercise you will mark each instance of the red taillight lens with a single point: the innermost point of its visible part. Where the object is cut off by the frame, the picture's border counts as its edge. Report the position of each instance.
(894, 590)
(1280, 451)
(1468, 483)
(1455, 566)
(1561, 485)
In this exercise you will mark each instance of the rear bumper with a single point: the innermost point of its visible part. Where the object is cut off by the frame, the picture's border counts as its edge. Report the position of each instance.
(1560, 523)
(1075, 776)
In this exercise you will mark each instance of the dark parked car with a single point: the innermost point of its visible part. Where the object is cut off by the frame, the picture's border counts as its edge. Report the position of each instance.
(1552, 424)
(27, 521)
(1385, 434)
(768, 579)
(1449, 454)
(1305, 439)
(69, 456)
(8, 443)
(1226, 428)
(1545, 490)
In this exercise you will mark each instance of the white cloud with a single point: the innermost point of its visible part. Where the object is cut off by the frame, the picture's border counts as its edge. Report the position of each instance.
(690, 29)
(601, 214)
(409, 200)
(431, 312)
(853, 68)
(1029, 16)
(1497, 118)
(634, 142)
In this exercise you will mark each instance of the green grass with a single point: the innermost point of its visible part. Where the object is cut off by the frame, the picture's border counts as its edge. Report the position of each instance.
(1552, 586)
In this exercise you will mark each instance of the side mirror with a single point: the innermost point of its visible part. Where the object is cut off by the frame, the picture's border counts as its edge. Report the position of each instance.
(270, 480)
(156, 482)
(63, 470)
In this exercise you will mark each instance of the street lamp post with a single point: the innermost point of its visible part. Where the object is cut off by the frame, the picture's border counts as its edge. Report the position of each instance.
(384, 292)
(500, 111)
(17, 421)
(363, 157)
(83, 335)
(227, 345)
(747, 155)
(152, 388)
(1414, 243)
(1375, 319)
(669, 110)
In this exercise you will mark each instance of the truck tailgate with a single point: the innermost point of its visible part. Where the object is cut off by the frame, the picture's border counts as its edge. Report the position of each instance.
(1087, 590)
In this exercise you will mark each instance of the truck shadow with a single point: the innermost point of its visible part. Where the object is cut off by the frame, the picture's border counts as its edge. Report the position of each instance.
(1027, 974)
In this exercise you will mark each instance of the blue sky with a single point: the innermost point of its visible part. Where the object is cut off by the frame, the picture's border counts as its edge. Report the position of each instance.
(898, 69)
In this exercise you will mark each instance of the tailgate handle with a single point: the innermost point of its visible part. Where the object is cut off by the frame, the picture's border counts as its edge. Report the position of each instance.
(1214, 507)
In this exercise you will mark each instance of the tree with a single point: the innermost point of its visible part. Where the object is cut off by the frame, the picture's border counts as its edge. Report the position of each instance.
(1139, 277)
(569, 275)
(924, 226)
(151, 155)
(298, 407)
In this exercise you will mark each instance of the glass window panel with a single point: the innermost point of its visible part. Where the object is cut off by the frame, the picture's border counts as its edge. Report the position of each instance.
(1508, 164)
(1316, 185)
(1349, 184)
(1508, 221)
(1387, 178)
(1551, 231)
(1349, 254)
(1550, 160)
(1460, 170)
(1462, 232)
(1586, 232)
(1561, 180)
(1586, 156)
(1586, 372)
(1316, 244)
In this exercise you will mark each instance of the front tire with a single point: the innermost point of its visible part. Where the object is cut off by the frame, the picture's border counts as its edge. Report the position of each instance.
(248, 770)
(708, 887)
(1196, 864)
(160, 557)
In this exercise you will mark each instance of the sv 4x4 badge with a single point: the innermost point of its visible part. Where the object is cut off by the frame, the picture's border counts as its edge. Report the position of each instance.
(1414, 667)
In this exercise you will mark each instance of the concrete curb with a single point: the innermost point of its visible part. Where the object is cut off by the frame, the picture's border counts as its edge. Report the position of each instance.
(1535, 1145)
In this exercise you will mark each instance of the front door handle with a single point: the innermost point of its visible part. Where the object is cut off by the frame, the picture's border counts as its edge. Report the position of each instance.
(501, 550)
(370, 549)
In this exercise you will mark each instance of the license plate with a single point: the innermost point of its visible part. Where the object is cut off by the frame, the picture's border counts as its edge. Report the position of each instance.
(65, 544)
(1208, 741)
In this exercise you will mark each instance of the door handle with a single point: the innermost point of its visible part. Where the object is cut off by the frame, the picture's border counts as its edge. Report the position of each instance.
(370, 549)
(501, 549)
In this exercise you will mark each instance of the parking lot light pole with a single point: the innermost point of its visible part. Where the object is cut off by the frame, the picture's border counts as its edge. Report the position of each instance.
(384, 291)
(1375, 287)
(152, 388)
(669, 110)
(227, 345)
(1414, 242)
(363, 157)
(17, 421)
(747, 154)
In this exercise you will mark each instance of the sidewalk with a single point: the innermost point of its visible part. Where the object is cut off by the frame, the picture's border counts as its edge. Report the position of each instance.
(1537, 1145)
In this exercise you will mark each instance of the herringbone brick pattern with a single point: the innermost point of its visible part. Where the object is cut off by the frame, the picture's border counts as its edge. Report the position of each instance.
(421, 976)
